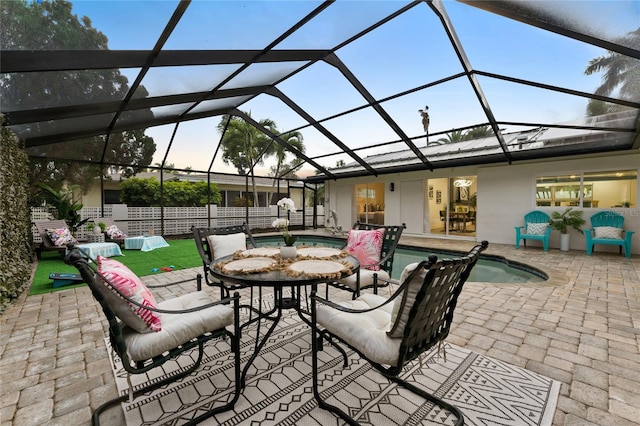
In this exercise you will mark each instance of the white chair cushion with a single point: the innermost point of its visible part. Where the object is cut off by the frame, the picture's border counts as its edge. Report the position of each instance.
(367, 332)
(608, 232)
(178, 328)
(366, 278)
(403, 303)
(225, 245)
(537, 228)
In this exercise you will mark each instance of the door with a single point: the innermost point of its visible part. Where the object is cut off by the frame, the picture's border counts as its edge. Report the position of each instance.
(369, 203)
(452, 205)
(412, 206)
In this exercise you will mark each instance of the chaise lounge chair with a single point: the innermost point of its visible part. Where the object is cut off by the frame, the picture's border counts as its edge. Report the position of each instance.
(59, 230)
(112, 234)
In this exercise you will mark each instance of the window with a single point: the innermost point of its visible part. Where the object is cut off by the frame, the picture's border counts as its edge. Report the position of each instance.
(594, 189)
(366, 193)
(112, 196)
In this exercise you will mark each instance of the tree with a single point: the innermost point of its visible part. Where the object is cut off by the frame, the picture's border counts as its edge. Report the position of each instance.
(140, 192)
(50, 25)
(65, 204)
(242, 144)
(294, 139)
(598, 107)
(620, 72)
(453, 137)
(478, 133)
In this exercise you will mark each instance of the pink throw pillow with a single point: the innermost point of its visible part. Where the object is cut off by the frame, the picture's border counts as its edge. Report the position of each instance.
(115, 233)
(60, 237)
(366, 246)
(128, 283)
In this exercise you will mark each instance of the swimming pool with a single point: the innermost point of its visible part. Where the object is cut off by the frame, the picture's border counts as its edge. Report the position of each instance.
(486, 270)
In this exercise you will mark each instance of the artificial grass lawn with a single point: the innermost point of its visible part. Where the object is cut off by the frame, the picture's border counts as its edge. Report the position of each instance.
(182, 254)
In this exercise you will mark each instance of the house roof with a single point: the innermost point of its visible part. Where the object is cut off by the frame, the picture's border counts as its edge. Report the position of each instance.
(344, 75)
(521, 144)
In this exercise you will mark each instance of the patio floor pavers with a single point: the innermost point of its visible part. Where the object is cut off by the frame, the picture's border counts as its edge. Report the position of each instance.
(582, 328)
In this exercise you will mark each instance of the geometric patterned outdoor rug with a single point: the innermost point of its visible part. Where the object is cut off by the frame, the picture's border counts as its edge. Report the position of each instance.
(278, 389)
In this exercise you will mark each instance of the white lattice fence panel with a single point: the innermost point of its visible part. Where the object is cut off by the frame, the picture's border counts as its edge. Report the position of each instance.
(179, 220)
(229, 216)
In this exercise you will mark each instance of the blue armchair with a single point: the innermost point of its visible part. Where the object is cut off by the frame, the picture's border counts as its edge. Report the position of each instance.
(536, 227)
(606, 228)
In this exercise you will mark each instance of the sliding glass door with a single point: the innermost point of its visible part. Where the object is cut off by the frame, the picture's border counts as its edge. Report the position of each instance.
(369, 199)
(452, 205)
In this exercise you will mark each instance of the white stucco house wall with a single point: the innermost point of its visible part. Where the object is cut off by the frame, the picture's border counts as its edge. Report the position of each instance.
(505, 192)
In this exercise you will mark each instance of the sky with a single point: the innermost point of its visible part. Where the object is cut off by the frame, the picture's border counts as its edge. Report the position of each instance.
(401, 55)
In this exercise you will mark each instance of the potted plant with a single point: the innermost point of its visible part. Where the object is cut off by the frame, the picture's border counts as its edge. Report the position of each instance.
(563, 221)
(93, 228)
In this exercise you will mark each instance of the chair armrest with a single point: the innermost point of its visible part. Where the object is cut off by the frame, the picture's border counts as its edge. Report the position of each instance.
(317, 299)
(235, 298)
(380, 262)
(388, 281)
(88, 271)
(198, 278)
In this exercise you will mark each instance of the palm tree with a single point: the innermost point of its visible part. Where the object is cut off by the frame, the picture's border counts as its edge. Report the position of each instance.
(282, 168)
(620, 71)
(242, 144)
(478, 133)
(294, 139)
(598, 107)
(453, 137)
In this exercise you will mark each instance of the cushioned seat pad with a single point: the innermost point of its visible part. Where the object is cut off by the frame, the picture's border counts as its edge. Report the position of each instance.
(366, 278)
(178, 328)
(367, 332)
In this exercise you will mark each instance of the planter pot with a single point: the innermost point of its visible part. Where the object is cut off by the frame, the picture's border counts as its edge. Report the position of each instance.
(564, 242)
(288, 252)
(96, 230)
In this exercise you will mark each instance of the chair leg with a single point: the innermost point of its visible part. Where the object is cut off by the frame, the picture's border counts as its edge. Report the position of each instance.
(430, 397)
(316, 340)
(235, 347)
(95, 418)
(317, 347)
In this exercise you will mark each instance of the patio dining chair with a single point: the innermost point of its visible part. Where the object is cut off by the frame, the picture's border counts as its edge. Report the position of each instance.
(390, 333)
(145, 334)
(374, 246)
(214, 243)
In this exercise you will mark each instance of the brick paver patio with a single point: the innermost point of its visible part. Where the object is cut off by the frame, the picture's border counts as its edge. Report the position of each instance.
(582, 328)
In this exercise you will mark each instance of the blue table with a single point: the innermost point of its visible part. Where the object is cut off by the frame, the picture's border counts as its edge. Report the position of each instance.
(143, 243)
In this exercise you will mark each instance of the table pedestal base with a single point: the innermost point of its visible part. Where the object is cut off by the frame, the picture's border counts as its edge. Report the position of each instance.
(289, 302)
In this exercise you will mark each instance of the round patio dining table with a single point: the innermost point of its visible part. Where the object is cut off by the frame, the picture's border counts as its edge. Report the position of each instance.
(262, 268)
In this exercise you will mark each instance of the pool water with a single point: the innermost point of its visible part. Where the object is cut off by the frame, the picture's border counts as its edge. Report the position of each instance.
(486, 270)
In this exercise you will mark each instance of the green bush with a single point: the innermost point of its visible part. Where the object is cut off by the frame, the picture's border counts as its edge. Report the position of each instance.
(15, 220)
(139, 192)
